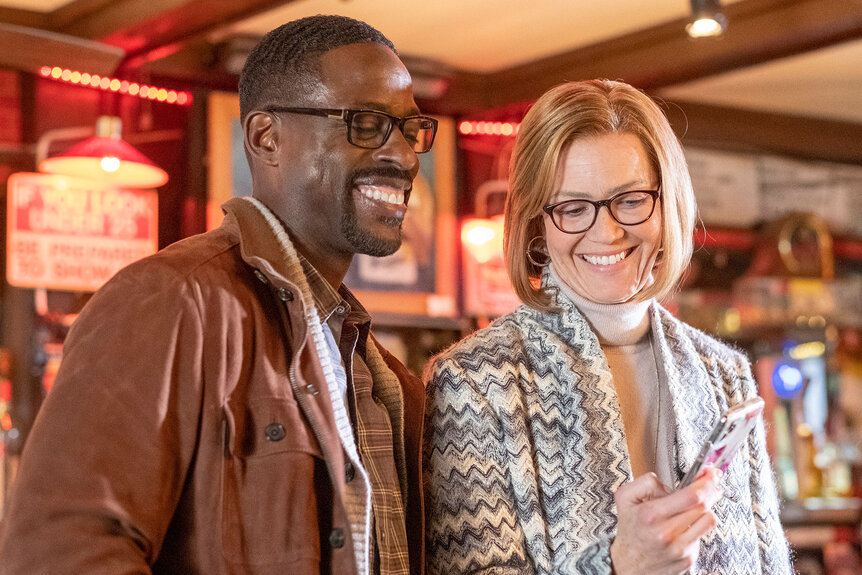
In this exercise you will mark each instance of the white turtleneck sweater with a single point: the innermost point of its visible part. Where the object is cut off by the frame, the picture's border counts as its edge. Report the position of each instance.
(625, 336)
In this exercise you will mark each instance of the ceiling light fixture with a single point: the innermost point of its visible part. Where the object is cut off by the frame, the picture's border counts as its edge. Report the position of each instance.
(108, 158)
(707, 19)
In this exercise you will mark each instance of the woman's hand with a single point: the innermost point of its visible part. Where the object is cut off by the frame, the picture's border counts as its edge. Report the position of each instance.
(658, 529)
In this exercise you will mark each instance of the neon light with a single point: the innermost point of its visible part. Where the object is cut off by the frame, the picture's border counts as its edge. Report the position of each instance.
(75, 77)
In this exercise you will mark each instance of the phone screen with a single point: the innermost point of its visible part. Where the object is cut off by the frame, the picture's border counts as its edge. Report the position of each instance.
(726, 438)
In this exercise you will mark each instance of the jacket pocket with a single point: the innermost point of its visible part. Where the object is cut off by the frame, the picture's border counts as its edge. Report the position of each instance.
(272, 480)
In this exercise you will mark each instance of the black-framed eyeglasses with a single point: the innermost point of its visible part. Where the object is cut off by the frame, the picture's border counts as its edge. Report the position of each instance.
(627, 208)
(371, 129)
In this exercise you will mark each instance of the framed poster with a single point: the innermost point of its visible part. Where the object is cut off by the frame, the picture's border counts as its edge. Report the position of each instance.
(419, 279)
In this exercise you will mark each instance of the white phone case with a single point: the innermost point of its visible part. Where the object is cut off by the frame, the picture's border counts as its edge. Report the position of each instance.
(726, 438)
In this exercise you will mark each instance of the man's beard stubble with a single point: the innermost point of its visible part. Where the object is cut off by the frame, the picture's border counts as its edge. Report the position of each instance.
(362, 241)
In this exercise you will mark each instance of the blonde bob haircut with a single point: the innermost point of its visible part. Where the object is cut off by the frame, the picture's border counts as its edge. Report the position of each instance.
(576, 110)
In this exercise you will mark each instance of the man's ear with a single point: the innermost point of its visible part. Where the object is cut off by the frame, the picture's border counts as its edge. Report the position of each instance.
(261, 137)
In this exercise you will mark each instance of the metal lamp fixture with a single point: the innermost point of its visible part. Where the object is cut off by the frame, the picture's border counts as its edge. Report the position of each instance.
(706, 19)
(106, 157)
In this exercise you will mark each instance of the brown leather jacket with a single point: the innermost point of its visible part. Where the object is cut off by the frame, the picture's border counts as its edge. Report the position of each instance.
(159, 447)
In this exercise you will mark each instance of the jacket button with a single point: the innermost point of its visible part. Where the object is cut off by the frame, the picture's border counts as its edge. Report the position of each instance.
(274, 432)
(349, 472)
(336, 538)
(259, 275)
(284, 294)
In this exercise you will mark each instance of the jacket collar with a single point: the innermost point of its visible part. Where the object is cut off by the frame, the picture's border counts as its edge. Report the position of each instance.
(260, 246)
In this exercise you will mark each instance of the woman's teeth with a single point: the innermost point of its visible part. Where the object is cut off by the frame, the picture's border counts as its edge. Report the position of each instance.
(382, 194)
(606, 260)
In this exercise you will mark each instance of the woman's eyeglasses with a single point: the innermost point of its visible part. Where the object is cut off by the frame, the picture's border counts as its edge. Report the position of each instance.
(628, 208)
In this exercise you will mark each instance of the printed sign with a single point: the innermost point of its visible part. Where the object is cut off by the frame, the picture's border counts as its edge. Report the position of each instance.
(73, 234)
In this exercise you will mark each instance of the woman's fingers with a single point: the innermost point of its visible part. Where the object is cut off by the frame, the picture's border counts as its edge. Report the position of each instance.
(701, 525)
(645, 488)
(701, 494)
(660, 529)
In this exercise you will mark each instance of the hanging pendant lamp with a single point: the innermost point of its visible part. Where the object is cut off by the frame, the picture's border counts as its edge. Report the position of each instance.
(108, 158)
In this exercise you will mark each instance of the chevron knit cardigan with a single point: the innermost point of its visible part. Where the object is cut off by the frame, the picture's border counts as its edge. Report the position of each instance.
(525, 447)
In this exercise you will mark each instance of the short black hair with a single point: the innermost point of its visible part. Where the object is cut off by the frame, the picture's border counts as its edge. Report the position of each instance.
(283, 65)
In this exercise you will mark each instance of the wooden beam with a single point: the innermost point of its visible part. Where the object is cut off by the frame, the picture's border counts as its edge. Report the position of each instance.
(152, 29)
(101, 20)
(758, 31)
(750, 131)
(27, 18)
(29, 49)
(65, 16)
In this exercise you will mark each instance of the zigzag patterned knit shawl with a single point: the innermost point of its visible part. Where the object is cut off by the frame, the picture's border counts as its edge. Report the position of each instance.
(525, 448)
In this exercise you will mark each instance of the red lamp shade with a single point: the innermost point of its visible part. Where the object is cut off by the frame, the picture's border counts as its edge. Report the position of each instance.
(107, 158)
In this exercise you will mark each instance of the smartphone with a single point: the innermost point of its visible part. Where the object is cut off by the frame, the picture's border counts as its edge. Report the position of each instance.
(726, 438)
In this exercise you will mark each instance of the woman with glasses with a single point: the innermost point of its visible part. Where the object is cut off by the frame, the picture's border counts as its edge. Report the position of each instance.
(555, 437)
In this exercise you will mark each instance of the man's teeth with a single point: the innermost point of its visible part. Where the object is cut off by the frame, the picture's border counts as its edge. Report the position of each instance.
(606, 260)
(382, 194)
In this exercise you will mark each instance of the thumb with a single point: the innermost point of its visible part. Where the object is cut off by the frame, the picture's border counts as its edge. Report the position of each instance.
(644, 488)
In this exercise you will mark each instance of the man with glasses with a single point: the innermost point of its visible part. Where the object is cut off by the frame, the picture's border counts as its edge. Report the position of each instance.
(222, 406)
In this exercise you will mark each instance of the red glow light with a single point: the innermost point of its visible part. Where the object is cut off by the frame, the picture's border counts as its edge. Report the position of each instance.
(116, 85)
(470, 128)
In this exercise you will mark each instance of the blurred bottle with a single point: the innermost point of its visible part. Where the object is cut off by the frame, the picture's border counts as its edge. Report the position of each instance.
(809, 474)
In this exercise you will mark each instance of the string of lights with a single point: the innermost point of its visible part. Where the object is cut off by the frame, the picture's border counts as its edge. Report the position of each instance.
(105, 83)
